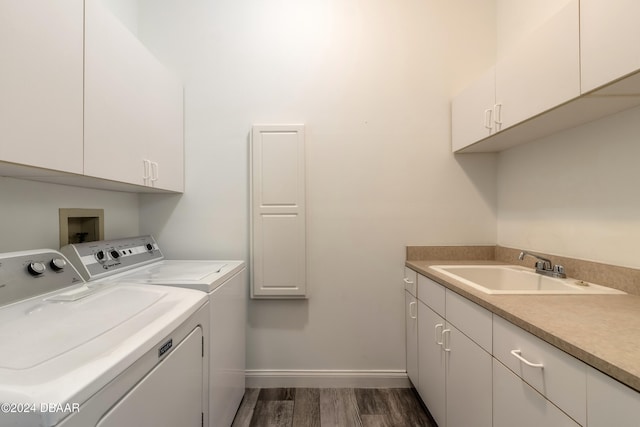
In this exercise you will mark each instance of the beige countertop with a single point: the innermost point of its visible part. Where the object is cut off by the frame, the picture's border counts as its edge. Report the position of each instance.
(601, 330)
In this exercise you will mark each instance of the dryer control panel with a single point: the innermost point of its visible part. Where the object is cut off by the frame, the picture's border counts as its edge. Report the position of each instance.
(103, 258)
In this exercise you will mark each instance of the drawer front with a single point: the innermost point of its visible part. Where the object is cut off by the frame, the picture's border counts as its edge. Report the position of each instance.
(410, 281)
(560, 377)
(515, 403)
(432, 294)
(471, 319)
(611, 403)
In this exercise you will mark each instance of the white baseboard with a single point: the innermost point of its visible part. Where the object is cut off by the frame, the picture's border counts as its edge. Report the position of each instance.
(267, 378)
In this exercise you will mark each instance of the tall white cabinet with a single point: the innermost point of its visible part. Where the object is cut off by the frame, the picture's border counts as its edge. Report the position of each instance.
(41, 108)
(133, 108)
(278, 212)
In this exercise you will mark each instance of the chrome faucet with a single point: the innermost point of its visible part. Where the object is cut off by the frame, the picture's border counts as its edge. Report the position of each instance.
(544, 266)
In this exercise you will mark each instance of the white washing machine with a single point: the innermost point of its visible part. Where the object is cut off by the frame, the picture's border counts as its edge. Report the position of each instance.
(139, 260)
(79, 354)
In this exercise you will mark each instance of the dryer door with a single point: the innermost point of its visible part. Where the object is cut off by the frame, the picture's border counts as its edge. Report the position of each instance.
(170, 395)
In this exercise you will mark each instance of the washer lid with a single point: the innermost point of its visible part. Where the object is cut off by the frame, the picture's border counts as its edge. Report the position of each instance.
(182, 270)
(201, 275)
(47, 328)
(54, 349)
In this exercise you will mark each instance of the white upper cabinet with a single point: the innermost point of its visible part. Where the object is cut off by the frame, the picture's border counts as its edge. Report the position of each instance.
(133, 108)
(41, 84)
(609, 34)
(541, 70)
(537, 69)
(473, 111)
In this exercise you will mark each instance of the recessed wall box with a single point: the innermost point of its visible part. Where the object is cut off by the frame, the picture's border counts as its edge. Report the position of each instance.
(81, 225)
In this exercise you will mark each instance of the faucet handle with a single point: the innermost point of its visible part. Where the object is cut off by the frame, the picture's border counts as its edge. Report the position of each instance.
(558, 271)
(542, 266)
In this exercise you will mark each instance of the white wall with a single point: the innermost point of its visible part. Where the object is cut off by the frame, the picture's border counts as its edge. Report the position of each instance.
(575, 193)
(372, 81)
(126, 11)
(29, 212)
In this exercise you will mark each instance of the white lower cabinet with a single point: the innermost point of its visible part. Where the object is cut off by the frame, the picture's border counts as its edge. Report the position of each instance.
(558, 376)
(477, 369)
(411, 328)
(516, 403)
(431, 362)
(455, 371)
(469, 399)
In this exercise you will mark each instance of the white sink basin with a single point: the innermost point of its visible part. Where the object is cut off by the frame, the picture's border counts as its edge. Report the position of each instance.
(513, 279)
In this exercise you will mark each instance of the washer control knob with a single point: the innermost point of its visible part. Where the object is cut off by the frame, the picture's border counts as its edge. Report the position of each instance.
(149, 247)
(115, 254)
(57, 264)
(101, 256)
(36, 268)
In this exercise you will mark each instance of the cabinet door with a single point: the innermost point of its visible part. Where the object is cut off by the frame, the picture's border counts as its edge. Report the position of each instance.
(411, 327)
(431, 362)
(515, 403)
(133, 108)
(41, 84)
(468, 390)
(472, 112)
(542, 71)
(609, 34)
(278, 218)
(165, 143)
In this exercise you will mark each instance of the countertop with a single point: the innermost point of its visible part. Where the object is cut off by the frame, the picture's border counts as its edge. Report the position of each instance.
(601, 330)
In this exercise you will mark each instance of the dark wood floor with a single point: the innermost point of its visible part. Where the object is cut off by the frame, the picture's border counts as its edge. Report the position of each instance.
(320, 407)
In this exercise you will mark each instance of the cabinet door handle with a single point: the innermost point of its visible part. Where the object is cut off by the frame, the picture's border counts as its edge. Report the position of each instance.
(407, 281)
(516, 354)
(438, 326)
(146, 171)
(446, 337)
(498, 115)
(487, 118)
(411, 305)
(154, 171)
